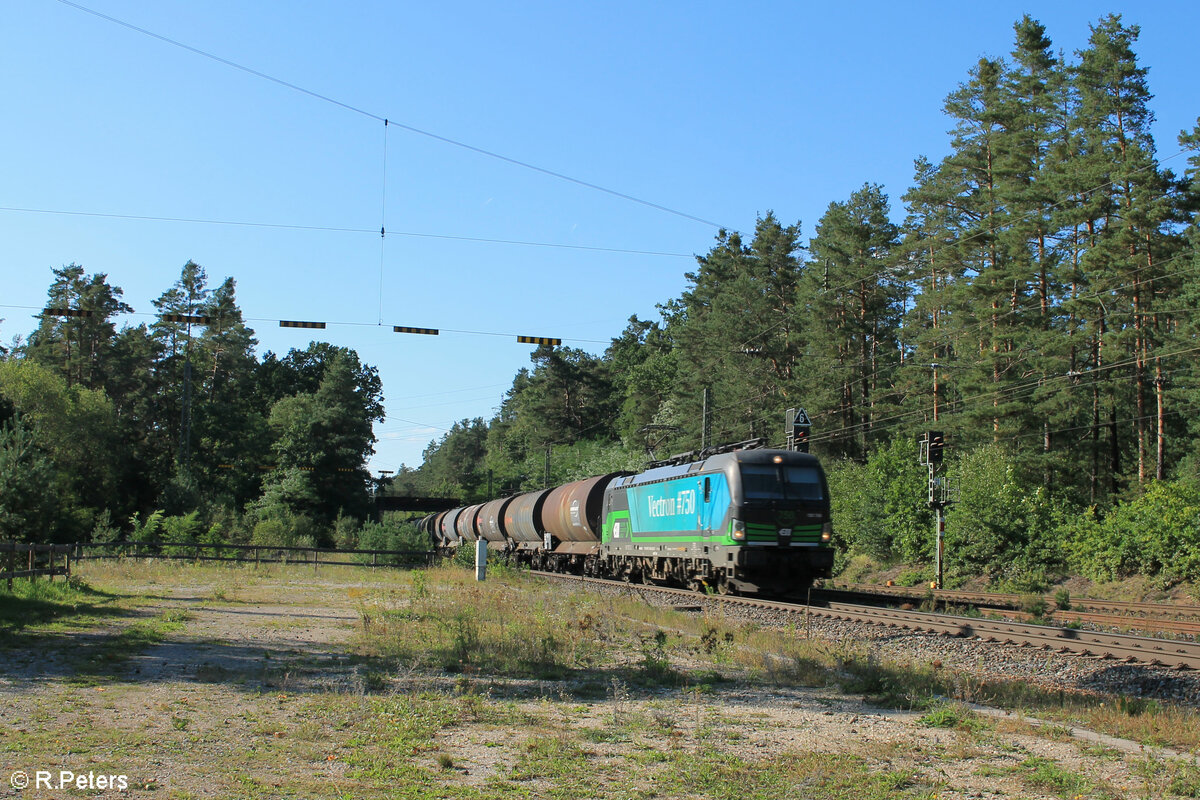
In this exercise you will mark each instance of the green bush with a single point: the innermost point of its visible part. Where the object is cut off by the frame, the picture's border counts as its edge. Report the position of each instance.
(181, 531)
(1156, 534)
(391, 533)
(1005, 525)
(212, 538)
(345, 532)
(880, 508)
(103, 529)
(284, 530)
(147, 530)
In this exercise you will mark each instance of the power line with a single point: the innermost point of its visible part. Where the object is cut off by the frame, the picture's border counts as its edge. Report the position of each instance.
(338, 323)
(382, 218)
(1007, 393)
(330, 229)
(387, 121)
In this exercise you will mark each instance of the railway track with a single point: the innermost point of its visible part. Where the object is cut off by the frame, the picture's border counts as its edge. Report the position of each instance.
(1115, 615)
(998, 600)
(1179, 654)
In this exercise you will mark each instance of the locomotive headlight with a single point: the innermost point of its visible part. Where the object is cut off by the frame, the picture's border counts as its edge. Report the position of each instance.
(827, 532)
(738, 530)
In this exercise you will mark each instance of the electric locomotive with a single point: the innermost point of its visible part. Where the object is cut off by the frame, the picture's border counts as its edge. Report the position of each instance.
(748, 521)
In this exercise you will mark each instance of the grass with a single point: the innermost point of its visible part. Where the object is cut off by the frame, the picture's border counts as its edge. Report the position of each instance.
(518, 688)
(447, 621)
(953, 716)
(459, 626)
(45, 604)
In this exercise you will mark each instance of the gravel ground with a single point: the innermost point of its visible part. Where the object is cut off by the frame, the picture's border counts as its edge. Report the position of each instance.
(989, 660)
(224, 707)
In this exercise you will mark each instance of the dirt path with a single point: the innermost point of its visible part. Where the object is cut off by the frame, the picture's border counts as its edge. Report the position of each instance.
(257, 691)
(293, 646)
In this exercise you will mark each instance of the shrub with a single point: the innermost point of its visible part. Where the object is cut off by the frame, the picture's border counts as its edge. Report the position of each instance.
(103, 530)
(345, 532)
(391, 533)
(284, 530)
(214, 536)
(180, 531)
(1156, 534)
(879, 509)
(147, 530)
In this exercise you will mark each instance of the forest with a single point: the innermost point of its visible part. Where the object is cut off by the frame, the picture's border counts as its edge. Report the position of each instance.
(1038, 303)
(176, 431)
(1034, 296)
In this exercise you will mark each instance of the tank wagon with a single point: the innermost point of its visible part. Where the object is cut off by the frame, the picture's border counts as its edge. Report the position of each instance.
(749, 521)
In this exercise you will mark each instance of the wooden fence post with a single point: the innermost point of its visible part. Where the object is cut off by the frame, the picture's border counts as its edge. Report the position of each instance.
(12, 564)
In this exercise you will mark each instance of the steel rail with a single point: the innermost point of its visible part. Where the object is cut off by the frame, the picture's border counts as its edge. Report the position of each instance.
(1002, 600)
(1165, 652)
(1183, 625)
(1116, 646)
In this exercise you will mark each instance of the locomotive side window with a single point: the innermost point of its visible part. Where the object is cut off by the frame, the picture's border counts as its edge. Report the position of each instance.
(783, 481)
(708, 490)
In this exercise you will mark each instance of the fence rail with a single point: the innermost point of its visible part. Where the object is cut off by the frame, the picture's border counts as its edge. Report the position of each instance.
(36, 560)
(256, 554)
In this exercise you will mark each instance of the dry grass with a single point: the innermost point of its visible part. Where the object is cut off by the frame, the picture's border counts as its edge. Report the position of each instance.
(520, 688)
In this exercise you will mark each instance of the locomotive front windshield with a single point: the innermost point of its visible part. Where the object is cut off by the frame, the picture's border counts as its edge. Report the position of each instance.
(781, 482)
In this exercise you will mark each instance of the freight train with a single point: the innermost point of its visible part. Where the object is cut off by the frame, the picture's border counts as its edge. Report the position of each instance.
(734, 521)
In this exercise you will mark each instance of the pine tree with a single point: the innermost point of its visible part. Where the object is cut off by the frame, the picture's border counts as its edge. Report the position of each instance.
(1130, 238)
(854, 310)
(77, 347)
(739, 334)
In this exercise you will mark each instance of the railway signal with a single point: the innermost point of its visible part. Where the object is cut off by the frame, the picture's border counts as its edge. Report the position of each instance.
(798, 427)
(933, 451)
(937, 446)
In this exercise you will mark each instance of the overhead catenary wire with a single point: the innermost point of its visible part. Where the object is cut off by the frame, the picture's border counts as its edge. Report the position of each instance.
(334, 229)
(1013, 392)
(383, 218)
(339, 323)
(323, 98)
(1007, 393)
(954, 336)
(386, 120)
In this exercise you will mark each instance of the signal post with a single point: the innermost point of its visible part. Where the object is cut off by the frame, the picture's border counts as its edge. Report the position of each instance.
(933, 446)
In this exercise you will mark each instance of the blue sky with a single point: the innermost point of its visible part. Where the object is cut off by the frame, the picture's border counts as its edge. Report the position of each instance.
(720, 111)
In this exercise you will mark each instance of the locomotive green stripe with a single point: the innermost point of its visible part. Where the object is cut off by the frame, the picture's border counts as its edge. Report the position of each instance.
(756, 532)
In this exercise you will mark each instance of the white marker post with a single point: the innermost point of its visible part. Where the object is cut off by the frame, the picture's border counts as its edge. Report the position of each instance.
(481, 559)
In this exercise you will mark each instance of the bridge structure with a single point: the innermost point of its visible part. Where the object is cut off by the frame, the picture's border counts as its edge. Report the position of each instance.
(428, 505)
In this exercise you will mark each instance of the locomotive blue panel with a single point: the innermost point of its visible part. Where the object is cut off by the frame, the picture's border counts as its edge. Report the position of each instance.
(679, 506)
